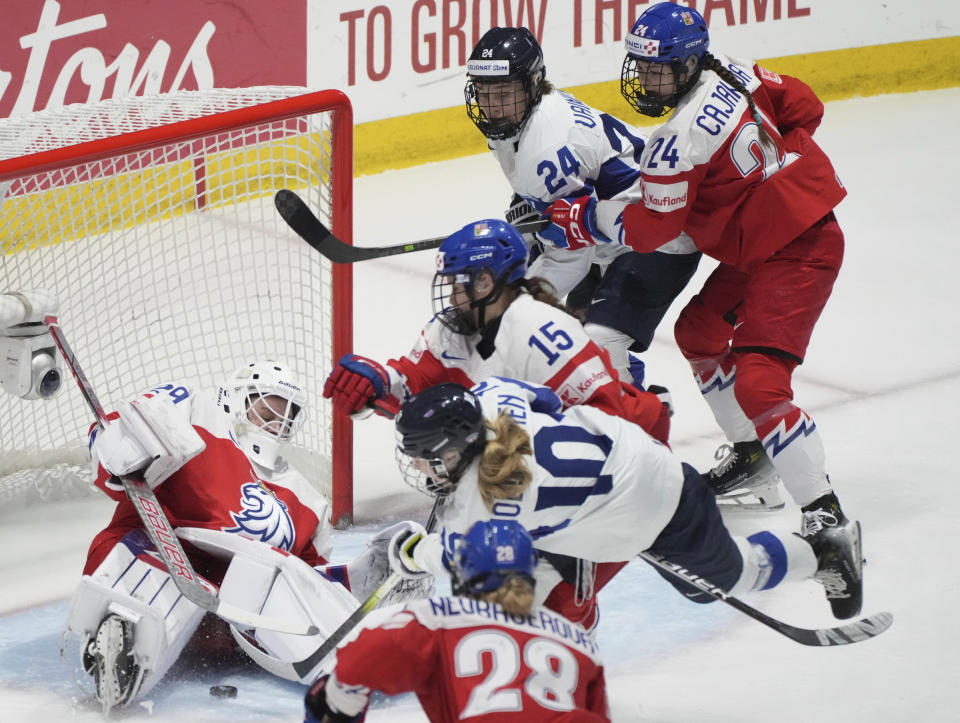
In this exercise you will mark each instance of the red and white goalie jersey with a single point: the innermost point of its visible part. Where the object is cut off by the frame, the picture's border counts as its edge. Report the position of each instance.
(535, 342)
(220, 489)
(708, 171)
(467, 659)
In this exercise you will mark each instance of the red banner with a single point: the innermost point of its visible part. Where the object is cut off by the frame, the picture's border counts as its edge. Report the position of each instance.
(75, 51)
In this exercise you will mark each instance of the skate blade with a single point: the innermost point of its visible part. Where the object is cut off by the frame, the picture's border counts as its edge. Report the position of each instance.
(762, 498)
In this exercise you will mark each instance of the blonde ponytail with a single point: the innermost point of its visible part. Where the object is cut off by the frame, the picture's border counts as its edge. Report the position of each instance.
(503, 472)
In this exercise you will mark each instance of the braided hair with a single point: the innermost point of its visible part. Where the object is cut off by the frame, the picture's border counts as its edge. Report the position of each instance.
(710, 62)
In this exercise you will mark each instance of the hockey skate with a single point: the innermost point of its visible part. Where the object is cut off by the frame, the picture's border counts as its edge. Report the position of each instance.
(110, 659)
(836, 543)
(745, 479)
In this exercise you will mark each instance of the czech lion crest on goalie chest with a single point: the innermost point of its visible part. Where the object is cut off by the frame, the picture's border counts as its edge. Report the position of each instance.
(262, 517)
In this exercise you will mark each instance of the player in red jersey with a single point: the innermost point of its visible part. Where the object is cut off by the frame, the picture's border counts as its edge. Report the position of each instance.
(491, 320)
(735, 167)
(488, 653)
(222, 475)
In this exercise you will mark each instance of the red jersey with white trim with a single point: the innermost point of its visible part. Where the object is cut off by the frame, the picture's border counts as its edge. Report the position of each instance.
(467, 658)
(708, 172)
(535, 342)
(219, 489)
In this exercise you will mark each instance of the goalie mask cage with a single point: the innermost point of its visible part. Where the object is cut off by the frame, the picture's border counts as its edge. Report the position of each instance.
(151, 220)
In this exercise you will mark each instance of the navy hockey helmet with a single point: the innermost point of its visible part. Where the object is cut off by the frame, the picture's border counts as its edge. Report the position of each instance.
(658, 69)
(505, 77)
(492, 246)
(439, 433)
(490, 553)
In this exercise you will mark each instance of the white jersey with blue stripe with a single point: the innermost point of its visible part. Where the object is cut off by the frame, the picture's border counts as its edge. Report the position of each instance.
(569, 149)
(602, 488)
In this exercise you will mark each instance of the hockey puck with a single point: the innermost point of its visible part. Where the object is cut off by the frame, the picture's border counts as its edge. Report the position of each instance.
(223, 691)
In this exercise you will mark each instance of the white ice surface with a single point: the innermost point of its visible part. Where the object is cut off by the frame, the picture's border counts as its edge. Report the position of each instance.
(882, 372)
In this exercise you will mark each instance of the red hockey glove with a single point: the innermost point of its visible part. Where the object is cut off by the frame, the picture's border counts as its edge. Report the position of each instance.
(577, 218)
(355, 382)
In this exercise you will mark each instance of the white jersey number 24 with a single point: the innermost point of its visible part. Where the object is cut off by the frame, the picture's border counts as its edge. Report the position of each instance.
(552, 681)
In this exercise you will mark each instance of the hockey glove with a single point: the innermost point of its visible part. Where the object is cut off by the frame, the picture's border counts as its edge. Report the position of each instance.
(149, 436)
(320, 709)
(400, 551)
(663, 394)
(577, 220)
(355, 382)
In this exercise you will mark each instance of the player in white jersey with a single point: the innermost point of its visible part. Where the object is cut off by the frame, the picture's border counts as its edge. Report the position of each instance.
(258, 533)
(551, 145)
(491, 320)
(488, 653)
(585, 484)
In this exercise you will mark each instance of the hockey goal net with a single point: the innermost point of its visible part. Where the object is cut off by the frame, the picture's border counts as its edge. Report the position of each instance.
(152, 222)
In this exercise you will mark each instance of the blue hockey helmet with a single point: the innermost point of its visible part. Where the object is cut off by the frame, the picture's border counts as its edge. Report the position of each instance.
(491, 552)
(665, 48)
(443, 427)
(505, 79)
(489, 246)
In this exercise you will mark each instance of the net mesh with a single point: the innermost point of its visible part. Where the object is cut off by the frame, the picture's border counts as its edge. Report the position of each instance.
(168, 261)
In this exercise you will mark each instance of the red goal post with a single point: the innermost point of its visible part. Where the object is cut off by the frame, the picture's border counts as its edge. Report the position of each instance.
(151, 220)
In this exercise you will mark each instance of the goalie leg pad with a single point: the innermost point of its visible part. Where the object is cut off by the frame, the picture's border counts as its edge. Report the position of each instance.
(265, 580)
(132, 584)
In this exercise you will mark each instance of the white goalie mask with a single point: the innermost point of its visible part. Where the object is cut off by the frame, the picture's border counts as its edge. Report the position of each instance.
(265, 404)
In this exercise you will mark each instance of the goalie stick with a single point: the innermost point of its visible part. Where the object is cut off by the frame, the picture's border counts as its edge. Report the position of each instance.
(308, 227)
(855, 632)
(158, 527)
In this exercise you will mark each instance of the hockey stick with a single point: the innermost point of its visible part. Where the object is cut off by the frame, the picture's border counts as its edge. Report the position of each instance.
(308, 227)
(157, 526)
(855, 632)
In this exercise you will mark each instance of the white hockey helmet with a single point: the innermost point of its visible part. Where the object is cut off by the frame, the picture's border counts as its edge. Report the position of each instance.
(265, 405)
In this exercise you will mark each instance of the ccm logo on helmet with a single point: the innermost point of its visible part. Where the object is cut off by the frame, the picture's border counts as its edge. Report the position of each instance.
(478, 257)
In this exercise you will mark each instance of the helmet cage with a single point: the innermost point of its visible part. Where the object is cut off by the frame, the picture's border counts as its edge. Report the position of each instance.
(505, 75)
(514, 109)
(490, 246)
(266, 408)
(641, 98)
(662, 40)
(440, 431)
(457, 319)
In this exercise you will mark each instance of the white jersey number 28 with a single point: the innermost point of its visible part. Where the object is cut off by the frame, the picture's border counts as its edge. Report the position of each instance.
(552, 681)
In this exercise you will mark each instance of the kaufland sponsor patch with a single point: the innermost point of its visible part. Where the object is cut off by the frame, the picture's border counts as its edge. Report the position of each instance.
(488, 67)
(665, 196)
(644, 47)
(582, 382)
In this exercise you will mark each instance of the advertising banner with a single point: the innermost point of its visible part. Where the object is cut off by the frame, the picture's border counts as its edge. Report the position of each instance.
(77, 51)
(397, 57)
